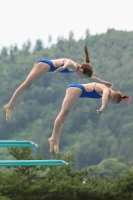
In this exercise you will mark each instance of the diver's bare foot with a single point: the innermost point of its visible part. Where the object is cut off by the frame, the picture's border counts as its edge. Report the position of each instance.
(56, 149)
(56, 146)
(8, 112)
(52, 143)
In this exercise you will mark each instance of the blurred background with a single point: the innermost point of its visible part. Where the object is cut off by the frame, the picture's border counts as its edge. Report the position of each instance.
(31, 30)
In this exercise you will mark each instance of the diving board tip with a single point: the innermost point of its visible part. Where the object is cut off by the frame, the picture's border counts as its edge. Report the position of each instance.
(17, 143)
(32, 162)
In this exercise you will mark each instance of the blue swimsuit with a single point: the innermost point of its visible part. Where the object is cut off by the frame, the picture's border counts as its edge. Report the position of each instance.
(52, 68)
(93, 94)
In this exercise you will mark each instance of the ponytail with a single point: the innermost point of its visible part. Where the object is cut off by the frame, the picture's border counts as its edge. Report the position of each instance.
(122, 97)
(125, 97)
(86, 66)
(87, 59)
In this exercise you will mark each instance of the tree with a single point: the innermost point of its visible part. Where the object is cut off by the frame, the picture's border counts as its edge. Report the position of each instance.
(71, 35)
(39, 45)
(4, 52)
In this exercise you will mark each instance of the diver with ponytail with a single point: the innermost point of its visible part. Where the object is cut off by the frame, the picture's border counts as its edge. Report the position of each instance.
(76, 91)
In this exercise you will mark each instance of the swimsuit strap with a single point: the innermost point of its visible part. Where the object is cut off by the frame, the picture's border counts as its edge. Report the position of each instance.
(63, 61)
(61, 64)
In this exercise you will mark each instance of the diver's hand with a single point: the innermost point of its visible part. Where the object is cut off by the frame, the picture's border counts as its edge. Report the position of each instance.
(108, 84)
(127, 100)
(59, 70)
(100, 110)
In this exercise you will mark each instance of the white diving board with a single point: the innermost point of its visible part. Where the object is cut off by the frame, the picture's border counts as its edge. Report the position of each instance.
(32, 162)
(17, 143)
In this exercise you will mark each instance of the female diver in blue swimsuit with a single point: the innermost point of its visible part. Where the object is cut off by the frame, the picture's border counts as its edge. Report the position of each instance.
(42, 66)
(76, 91)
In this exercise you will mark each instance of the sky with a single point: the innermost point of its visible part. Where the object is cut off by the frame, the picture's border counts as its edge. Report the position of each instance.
(23, 20)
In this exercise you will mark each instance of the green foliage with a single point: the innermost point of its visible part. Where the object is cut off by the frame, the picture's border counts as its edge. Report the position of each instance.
(61, 182)
(110, 166)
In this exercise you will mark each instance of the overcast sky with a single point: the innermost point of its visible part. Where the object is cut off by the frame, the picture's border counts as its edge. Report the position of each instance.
(21, 20)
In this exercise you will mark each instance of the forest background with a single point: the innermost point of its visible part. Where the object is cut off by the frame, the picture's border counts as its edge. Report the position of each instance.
(102, 141)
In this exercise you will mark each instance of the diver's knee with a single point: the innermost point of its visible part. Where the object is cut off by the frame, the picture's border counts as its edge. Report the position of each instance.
(65, 113)
(61, 117)
(27, 84)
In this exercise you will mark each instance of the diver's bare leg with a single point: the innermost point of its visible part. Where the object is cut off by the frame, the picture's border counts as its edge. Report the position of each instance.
(72, 95)
(36, 73)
